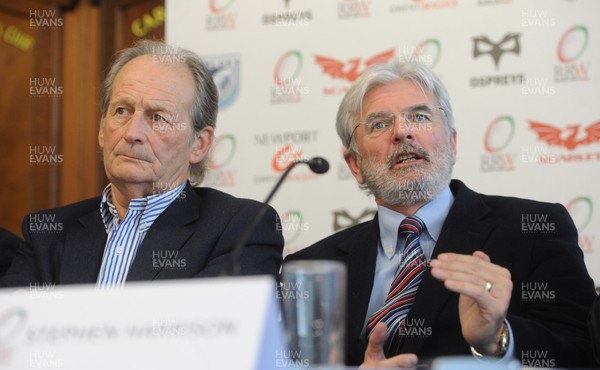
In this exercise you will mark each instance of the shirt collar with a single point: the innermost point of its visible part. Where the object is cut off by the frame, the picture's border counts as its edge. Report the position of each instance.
(158, 201)
(433, 214)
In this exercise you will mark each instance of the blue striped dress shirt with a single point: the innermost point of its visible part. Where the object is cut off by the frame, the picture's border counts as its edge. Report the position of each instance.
(124, 237)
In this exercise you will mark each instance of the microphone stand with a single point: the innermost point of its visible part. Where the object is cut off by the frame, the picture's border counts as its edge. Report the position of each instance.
(232, 267)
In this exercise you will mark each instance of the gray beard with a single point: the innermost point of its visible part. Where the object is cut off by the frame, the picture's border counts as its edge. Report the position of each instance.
(412, 185)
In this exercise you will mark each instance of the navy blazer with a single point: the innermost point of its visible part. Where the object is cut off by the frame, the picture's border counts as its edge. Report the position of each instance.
(552, 290)
(9, 243)
(65, 245)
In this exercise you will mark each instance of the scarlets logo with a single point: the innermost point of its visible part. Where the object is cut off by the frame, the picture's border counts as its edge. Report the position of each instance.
(569, 138)
(353, 68)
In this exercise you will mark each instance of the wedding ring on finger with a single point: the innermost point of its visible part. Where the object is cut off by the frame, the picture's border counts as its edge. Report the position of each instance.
(488, 286)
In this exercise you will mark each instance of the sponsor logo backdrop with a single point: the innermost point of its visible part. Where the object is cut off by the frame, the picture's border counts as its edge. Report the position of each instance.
(522, 76)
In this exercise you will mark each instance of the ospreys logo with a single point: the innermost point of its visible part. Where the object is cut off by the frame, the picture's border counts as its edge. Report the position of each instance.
(343, 220)
(509, 44)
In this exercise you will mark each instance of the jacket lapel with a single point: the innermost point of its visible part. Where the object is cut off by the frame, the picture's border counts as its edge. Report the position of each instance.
(465, 231)
(167, 235)
(360, 259)
(84, 247)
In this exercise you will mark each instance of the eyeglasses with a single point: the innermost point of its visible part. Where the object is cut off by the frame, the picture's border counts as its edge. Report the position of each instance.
(419, 117)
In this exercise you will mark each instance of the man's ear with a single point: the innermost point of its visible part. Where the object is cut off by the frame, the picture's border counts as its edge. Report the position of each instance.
(202, 144)
(101, 134)
(352, 163)
(453, 145)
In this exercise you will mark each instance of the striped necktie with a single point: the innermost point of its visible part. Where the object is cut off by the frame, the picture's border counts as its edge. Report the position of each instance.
(404, 287)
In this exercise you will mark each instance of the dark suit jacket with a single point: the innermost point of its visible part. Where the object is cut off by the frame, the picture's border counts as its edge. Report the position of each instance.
(552, 290)
(9, 243)
(65, 245)
(594, 327)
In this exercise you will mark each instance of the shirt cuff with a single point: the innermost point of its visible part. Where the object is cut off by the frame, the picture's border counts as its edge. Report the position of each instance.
(508, 356)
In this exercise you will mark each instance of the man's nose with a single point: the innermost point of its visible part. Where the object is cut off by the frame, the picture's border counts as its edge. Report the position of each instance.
(137, 128)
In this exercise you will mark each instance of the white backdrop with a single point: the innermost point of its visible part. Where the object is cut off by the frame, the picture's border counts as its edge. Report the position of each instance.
(282, 67)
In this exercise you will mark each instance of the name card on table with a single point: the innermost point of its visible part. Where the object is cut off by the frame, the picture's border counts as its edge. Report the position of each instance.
(225, 323)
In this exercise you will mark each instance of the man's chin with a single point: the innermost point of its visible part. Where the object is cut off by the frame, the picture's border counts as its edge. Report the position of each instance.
(404, 202)
(130, 177)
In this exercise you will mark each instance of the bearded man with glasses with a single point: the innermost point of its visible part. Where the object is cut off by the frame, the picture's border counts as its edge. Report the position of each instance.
(441, 269)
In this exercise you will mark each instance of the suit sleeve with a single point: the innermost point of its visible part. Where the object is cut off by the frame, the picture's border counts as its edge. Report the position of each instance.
(9, 243)
(552, 293)
(24, 269)
(262, 253)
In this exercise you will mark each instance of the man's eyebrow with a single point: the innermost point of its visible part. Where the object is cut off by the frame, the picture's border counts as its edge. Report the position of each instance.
(379, 115)
(149, 105)
(121, 99)
(423, 107)
(160, 106)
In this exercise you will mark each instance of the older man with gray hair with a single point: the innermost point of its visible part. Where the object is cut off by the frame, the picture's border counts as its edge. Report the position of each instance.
(441, 269)
(158, 116)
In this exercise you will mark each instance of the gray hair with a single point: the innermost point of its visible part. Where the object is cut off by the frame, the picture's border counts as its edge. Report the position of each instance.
(350, 108)
(206, 103)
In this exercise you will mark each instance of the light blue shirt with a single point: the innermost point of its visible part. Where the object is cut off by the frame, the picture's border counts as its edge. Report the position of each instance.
(389, 254)
(124, 237)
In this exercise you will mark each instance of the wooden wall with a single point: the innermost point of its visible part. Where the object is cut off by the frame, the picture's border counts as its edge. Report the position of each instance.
(53, 56)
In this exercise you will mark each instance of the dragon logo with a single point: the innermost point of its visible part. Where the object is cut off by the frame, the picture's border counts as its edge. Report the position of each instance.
(343, 220)
(509, 44)
(569, 137)
(351, 69)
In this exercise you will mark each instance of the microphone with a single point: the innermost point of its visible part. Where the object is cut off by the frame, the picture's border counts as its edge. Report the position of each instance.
(317, 165)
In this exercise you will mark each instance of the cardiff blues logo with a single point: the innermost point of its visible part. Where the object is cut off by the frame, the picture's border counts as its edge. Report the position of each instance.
(225, 70)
